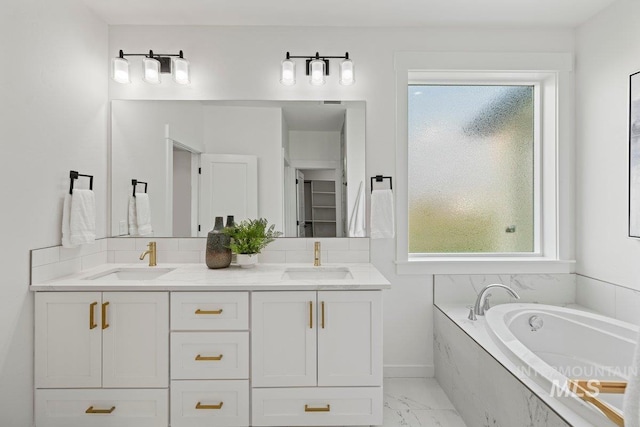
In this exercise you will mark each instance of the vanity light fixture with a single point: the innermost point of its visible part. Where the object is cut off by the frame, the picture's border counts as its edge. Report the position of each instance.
(153, 66)
(317, 68)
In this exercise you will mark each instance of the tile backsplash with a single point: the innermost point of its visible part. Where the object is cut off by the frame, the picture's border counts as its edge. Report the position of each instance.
(55, 262)
(556, 289)
(609, 299)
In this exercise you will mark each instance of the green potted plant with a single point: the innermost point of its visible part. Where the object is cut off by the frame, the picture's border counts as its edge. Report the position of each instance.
(248, 238)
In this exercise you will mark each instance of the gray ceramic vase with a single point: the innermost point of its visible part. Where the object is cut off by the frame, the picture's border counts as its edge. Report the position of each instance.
(218, 254)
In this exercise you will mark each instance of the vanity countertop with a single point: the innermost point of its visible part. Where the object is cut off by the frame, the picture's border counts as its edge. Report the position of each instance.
(197, 277)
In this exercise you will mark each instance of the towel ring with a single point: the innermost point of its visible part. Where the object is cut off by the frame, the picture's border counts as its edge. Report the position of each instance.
(73, 175)
(135, 182)
(380, 178)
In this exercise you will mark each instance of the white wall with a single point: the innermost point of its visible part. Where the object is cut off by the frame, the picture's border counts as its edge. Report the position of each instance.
(607, 53)
(314, 145)
(244, 64)
(140, 150)
(257, 131)
(53, 117)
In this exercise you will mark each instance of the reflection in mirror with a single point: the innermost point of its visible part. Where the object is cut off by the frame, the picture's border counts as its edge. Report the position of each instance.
(299, 164)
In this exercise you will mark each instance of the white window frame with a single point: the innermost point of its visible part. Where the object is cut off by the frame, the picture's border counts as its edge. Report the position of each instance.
(551, 75)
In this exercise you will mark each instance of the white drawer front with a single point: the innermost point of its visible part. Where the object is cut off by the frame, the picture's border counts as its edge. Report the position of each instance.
(209, 311)
(209, 403)
(81, 408)
(317, 406)
(209, 355)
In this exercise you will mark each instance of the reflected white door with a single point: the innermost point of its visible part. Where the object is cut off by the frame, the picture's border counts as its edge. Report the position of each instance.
(300, 203)
(229, 186)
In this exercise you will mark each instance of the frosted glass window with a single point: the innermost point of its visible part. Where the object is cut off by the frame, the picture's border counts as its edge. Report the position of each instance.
(471, 169)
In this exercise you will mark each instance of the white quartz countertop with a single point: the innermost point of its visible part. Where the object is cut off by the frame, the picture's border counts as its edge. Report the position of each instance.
(197, 277)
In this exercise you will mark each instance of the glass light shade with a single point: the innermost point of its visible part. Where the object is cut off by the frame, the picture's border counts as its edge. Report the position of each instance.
(288, 73)
(151, 70)
(120, 70)
(180, 71)
(347, 76)
(316, 72)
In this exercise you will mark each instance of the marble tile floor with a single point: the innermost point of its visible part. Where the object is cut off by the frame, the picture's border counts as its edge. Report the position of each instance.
(418, 402)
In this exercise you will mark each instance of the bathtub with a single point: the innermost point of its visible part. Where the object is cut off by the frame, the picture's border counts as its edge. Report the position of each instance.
(551, 344)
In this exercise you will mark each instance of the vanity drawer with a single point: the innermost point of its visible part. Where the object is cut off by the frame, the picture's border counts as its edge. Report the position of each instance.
(317, 406)
(209, 311)
(209, 355)
(209, 403)
(83, 407)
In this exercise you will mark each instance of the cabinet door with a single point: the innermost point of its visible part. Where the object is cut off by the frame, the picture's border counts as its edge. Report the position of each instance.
(350, 338)
(68, 347)
(135, 339)
(283, 337)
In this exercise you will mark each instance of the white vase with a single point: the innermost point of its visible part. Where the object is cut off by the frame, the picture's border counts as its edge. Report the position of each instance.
(247, 260)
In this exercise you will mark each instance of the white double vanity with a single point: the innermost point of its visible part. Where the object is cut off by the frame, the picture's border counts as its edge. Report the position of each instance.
(183, 346)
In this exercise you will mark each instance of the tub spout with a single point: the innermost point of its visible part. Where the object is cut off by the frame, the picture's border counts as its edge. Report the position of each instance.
(482, 305)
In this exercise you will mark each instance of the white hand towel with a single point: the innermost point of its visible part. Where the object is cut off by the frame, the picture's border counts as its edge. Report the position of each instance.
(82, 219)
(143, 214)
(382, 219)
(66, 225)
(133, 217)
(356, 222)
(631, 403)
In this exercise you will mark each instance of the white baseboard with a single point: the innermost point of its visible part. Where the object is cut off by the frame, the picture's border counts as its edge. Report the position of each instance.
(409, 371)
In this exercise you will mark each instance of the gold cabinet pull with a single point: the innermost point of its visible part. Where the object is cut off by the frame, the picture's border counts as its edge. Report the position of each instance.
(308, 408)
(198, 311)
(92, 315)
(219, 357)
(310, 314)
(91, 410)
(105, 324)
(201, 406)
(322, 305)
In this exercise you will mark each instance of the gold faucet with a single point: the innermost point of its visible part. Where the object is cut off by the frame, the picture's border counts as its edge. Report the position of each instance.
(152, 254)
(316, 254)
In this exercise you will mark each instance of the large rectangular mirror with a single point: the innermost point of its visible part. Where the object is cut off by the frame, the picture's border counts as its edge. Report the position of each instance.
(299, 164)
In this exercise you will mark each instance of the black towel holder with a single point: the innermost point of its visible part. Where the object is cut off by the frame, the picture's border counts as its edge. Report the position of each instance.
(380, 178)
(135, 182)
(73, 175)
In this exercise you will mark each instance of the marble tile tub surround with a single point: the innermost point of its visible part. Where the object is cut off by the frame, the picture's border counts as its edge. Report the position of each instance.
(482, 389)
(608, 299)
(417, 402)
(462, 289)
(55, 262)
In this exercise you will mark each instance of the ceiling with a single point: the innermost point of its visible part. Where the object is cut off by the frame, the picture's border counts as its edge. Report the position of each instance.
(357, 13)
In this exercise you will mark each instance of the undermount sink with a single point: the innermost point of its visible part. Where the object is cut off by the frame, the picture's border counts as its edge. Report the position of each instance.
(130, 274)
(317, 273)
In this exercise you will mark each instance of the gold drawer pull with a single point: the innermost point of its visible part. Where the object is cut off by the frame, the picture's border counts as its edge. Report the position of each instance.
(307, 408)
(90, 410)
(201, 406)
(198, 311)
(92, 315)
(105, 324)
(198, 357)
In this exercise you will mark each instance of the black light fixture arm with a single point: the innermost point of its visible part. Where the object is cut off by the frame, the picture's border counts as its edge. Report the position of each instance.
(151, 54)
(317, 56)
(163, 58)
